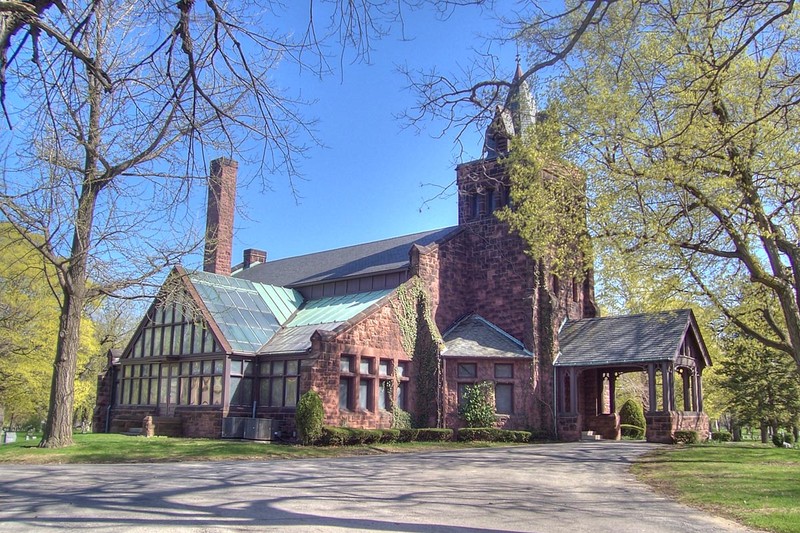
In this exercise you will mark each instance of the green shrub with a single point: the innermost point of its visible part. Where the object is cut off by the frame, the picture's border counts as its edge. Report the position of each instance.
(492, 435)
(400, 419)
(373, 436)
(686, 437)
(334, 436)
(308, 417)
(408, 435)
(434, 435)
(721, 436)
(520, 436)
(779, 438)
(477, 407)
(473, 434)
(389, 435)
(632, 421)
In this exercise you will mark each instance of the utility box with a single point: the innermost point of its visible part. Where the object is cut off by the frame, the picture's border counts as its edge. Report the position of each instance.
(260, 428)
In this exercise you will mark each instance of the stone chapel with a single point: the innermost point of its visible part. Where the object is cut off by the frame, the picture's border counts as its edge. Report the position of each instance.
(401, 324)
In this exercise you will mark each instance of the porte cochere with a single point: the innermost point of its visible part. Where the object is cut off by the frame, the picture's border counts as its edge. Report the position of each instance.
(594, 352)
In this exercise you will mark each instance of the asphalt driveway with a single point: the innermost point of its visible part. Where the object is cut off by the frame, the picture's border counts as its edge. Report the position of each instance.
(555, 487)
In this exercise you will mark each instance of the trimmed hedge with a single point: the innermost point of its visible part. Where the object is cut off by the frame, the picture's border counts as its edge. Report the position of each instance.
(721, 436)
(434, 435)
(408, 435)
(492, 435)
(334, 436)
(389, 435)
(341, 436)
(686, 437)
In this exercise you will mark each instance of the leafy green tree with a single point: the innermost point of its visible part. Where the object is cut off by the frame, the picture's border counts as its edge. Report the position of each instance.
(760, 387)
(685, 125)
(29, 314)
(683, 117)
(477, 406)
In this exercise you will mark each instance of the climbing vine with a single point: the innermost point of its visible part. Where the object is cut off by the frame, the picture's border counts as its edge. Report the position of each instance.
(421, 341)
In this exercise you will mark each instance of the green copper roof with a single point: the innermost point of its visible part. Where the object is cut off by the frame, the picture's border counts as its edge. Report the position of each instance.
(335, 308)
(248, 314)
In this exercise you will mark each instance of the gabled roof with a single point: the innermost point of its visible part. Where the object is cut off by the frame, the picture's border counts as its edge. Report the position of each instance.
(248, 314)
(388, 255)
(324, 314)
(632, 339)
(474, 336)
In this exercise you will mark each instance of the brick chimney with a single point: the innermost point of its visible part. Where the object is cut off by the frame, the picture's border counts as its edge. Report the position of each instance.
(253, 256)
(219, 216)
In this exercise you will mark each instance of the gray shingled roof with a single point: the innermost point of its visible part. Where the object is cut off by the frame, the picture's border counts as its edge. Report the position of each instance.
(474, 336)
(362, 259)
(631, 339)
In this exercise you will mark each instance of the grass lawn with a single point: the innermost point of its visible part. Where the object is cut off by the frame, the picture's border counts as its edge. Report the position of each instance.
(114, 448)
(755, 484)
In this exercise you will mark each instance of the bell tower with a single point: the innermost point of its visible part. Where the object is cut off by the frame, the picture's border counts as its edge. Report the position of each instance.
(483, 185)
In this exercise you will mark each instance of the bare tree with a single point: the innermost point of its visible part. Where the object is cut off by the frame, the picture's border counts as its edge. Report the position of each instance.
(112, 106)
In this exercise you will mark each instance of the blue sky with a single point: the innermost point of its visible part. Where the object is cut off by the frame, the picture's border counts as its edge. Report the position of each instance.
(365, 184)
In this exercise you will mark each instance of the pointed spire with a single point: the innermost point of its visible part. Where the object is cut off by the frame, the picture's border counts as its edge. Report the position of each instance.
(514, 118)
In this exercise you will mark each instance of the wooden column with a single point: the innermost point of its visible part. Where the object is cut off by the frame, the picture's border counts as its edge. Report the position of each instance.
(573, 390)
(687, 389)
(699, 388)
(600, 407)
(651, 386)
(612, 392)
(665, 382)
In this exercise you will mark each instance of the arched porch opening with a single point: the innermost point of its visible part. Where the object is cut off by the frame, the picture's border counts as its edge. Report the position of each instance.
(596, 352)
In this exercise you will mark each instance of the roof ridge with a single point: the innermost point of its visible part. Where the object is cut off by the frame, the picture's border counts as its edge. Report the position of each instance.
(646, 313)
(427, 232)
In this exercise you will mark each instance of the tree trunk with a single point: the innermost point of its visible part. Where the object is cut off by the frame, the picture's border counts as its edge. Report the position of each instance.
(764, 436)
(58, 429)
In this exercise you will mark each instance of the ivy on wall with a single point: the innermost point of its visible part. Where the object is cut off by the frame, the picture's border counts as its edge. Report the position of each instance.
(421, 341)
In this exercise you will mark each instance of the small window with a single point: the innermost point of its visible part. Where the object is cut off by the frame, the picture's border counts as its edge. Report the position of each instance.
(364, 366)
(345, 393)
(383, 369)
(365, 394)
(462, 389)
(503, 370)
(467, 370)
(402, 388)
(504, 398)
(402, 370)
(346, 364)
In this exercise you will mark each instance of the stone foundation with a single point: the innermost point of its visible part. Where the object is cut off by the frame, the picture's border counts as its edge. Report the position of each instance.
(607, 426)
(569, 427)
(661, 426)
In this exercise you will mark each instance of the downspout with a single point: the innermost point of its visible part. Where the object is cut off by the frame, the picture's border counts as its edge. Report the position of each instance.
(555, 402)
(443, 382)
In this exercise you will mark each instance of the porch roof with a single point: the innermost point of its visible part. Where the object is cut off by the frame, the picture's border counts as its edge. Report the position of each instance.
(474, 336)
(625, 340)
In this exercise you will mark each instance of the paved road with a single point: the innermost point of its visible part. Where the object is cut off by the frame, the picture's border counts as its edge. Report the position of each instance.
(555, 487)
